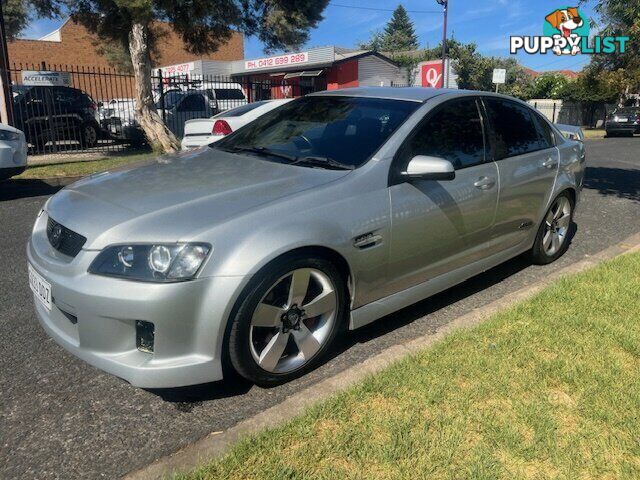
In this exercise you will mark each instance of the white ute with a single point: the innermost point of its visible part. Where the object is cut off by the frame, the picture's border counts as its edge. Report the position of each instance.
(203, 131)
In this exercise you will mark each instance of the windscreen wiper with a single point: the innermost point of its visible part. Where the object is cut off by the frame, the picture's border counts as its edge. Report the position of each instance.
(325, 162)
(264, 151)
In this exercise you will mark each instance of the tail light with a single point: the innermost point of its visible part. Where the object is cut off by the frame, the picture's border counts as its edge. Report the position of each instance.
(221, 127)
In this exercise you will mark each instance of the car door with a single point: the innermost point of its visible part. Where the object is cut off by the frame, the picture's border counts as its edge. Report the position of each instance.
(439, 226)
(527, 164)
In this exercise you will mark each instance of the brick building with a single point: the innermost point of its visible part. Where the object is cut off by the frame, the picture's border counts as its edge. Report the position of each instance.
(72, 47)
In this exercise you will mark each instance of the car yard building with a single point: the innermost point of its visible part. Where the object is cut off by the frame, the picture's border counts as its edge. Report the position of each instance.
(295, 74)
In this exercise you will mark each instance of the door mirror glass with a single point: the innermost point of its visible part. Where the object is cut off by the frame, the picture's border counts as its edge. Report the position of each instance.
(430, 168)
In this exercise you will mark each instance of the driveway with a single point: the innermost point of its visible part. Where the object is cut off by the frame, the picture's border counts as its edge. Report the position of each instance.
(61, 418)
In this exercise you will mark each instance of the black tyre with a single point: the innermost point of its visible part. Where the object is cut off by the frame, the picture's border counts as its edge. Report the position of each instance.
(288, 320)
(88, 135)
(553, 237)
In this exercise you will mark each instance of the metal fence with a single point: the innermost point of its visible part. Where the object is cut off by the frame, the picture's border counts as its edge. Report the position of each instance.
(68, 109)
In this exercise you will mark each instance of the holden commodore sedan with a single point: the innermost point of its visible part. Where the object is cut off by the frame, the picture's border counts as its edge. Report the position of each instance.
(323, 215)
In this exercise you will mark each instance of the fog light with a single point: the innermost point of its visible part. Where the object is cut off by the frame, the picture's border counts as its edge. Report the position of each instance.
(145, 332)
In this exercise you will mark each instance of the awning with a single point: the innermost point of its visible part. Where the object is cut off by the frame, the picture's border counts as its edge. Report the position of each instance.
(306, 73)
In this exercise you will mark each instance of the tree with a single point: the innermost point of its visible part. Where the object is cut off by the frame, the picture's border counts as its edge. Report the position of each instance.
(19, 13)
(619, 18)
(203, 26)
(549, 85)
(398, 35)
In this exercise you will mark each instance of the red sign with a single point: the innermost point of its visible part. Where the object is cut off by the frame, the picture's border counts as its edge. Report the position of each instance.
(431, 74)
(279, 61)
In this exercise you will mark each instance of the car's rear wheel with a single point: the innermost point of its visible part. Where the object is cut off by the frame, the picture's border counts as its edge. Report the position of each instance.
(89, 136)
(288, 321)
(553, 239)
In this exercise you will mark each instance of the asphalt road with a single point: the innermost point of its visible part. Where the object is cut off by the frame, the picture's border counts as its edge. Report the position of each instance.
(61, 418)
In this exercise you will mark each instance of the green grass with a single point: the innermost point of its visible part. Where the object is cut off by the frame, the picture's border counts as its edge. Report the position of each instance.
(547, 389)
(82, 168)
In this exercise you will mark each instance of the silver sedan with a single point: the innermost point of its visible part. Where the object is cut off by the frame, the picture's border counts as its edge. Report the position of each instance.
(323, 215)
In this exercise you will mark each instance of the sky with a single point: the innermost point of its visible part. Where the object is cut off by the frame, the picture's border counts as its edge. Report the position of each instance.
(488, 23)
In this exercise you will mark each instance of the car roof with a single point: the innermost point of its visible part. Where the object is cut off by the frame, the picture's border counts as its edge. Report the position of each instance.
(412, 94)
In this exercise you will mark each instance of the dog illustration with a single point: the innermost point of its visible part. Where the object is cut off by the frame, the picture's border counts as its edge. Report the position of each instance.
(566, 21)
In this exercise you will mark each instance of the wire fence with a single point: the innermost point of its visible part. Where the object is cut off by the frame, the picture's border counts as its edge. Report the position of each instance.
(68, 109)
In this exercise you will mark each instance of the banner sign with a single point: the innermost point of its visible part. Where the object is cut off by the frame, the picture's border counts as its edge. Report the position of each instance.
(278, 61)
(180, 69)
(33, 77)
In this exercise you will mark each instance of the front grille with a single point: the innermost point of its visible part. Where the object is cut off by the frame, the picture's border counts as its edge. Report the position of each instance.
(64, 240)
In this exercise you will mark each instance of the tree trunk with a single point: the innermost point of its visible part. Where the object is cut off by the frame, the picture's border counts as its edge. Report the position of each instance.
(158, 135)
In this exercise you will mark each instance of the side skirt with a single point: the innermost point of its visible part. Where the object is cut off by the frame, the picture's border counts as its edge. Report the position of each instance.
(373, 311)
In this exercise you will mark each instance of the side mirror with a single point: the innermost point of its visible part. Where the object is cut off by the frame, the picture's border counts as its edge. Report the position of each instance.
(430, 168)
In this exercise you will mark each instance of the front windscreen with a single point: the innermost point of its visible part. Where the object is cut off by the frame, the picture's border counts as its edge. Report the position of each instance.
(347, 130)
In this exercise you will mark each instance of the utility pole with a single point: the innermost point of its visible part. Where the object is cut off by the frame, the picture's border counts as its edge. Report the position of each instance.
(445, 6)
(6, 99)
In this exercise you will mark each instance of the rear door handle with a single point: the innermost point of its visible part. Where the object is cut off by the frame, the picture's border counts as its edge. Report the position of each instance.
(550, 163)
(485, 183)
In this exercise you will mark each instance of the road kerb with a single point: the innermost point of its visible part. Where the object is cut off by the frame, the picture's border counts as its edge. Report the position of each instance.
(218, 443)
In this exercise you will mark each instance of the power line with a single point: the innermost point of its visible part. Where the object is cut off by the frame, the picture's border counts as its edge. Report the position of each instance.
(381, 9)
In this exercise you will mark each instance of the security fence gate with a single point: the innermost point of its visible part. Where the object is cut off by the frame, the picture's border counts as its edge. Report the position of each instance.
(66, 109)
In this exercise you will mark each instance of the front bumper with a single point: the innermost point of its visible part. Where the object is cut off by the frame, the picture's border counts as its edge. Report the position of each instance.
(94, 318)
(13, 154)
(622, 127)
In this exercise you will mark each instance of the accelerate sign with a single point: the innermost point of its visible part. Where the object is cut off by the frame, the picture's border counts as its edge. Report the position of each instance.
(34, 77)
(278, 61)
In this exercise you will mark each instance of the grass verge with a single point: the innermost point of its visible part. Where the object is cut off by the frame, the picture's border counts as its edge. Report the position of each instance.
(594, 133)
(82, 168)
(547, 389)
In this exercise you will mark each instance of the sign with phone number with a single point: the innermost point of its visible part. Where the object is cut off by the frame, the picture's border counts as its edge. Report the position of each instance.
(278, 61)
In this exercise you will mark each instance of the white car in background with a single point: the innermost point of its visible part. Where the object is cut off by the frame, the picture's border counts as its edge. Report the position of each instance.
(203, 131)
(13, 152)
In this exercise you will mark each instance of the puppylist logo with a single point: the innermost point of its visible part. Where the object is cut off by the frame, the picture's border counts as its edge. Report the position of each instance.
(566, 32)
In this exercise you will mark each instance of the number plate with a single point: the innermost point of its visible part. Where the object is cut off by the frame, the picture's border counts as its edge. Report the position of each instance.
(623, 119)
(40, 287)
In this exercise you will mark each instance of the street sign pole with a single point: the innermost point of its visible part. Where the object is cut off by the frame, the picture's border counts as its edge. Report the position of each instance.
(6, 100)
(445, 6)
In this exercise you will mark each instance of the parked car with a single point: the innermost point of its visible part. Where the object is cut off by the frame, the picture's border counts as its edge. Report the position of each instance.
(623, 121)
(322, 215)
(13, 152)
(55, 113)
(175, 108)
(221, 95)
(203, 131)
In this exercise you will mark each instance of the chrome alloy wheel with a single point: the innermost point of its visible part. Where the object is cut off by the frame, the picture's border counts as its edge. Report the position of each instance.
(556, 226)
(293, 320)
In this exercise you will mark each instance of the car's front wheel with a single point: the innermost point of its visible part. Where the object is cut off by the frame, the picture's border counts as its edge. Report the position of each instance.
(288, 320)
(89, 136)
(553, 239)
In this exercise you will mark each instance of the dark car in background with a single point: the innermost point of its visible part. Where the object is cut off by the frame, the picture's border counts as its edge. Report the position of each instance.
(625, 120)
(55, 114)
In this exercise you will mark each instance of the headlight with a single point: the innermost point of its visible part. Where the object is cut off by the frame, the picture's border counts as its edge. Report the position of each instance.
(152, 263)
(8, 136)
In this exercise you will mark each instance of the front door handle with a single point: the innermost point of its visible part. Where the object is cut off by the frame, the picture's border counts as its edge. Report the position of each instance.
(550, 163)
(485, 183)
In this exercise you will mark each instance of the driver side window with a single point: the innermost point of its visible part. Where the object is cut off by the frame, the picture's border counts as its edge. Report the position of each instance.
(452, 132)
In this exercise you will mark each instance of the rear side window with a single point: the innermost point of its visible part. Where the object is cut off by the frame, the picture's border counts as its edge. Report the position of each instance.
(229, 94)
(544, 130)
(453, 132)
(514, 129)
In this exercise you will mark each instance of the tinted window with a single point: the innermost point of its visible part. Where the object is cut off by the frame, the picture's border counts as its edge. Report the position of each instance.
(192, 103)
(345, 129)
(453, 132)
(229, 94)
(515, 132)
(545, 132)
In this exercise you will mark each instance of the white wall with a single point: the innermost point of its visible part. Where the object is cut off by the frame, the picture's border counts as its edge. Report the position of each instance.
(375, 72)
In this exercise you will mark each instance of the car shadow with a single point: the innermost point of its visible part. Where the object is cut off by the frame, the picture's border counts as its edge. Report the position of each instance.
(186, 397)
(618, 182)
(15, 189)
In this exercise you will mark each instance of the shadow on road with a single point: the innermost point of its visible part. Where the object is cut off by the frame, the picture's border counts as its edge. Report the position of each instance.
(24, 188)
(619, 182)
